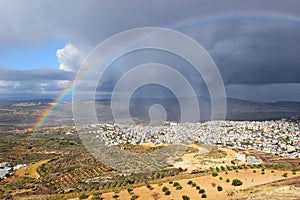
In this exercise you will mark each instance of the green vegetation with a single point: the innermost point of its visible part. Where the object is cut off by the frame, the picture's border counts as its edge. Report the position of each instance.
(164, 189)
(83, 196)
(285, 175)
(219, 188)
(185, 197)
(203, 196)
(201, 191)
(214, 174)
(237, 182)
(134, 197)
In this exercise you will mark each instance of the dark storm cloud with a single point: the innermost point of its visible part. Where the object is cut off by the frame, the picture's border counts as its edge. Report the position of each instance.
(246, 51)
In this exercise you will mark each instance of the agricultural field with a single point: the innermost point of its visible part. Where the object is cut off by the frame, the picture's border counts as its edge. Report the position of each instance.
(58, 166)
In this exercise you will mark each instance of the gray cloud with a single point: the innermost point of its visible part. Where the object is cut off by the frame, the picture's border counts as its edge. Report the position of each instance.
(251, 51)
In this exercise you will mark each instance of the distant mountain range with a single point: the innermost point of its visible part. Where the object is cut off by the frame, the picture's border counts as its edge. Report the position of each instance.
(15, 114)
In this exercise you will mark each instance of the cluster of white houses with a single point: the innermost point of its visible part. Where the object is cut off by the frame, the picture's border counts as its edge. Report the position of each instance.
(6, 168)
(277, 137)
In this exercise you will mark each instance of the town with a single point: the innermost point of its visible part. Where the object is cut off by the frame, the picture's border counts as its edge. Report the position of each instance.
(281, 137)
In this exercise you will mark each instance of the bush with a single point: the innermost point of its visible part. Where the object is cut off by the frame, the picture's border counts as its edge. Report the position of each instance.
(170, 182)
(219, 188)
(263, 173)
(222, 168)
(203, 196)
(116, 196)
(167, 192)
(284, 175)
(201, 191)
(129, 190)
(214, 174)
(194, 184)
(197, 187)
(237, 182)
(254, 171)
(83, 196)
(227, 180)
(190, 182)
(134, 197)
(176, 184)
(220, 178)
(184, 197)
(179, 187)
(164, 189)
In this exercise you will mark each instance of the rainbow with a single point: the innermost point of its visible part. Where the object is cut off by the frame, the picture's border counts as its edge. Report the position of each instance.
(195, 20)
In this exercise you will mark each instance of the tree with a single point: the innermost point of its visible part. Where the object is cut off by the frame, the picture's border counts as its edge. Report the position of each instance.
(164, 189)
(227, 180)
(167, 192)
(237, 182)
(214, 174)
(83, 196)
(129, 190)
(201, 191)
(134, 197)
(203, 196)
(222, 168)
(185, 197)
(284, 175)
(219, 188)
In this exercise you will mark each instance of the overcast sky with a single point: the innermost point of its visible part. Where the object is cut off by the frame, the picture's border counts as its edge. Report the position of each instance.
(255, 44)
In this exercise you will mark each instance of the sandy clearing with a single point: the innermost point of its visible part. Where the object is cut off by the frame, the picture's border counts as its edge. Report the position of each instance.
(247, 176)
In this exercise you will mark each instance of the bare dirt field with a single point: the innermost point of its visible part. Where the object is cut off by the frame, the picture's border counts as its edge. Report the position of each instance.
(209, 184)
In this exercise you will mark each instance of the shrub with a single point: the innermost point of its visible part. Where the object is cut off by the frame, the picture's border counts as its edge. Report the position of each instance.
(190, 182)
(237, 182)
(179, 187)
(227, 180)
(217, 169)
(219, 188)
(222, 168)
(263, 173)
(214, 174)
(197, 187)
(129, 190)
(194, 184)
(176, 184)
(220, 178)
(213, 184)
(272, 171)
(203, 196)
(254, 171)
(170, 182)
(134, 197)
(164, 189)
(284, 175)
(116, 196)
(201, 191)
(167, 192)
(184, 197)
(83, 196)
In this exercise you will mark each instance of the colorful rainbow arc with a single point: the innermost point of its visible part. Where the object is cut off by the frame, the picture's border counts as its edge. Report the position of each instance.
(188, 22)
